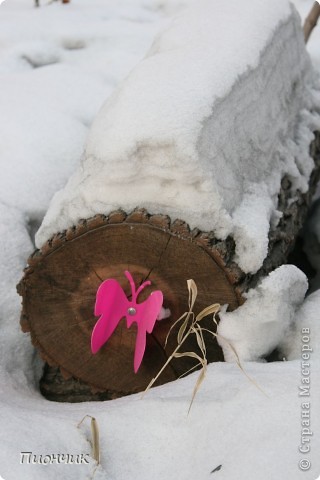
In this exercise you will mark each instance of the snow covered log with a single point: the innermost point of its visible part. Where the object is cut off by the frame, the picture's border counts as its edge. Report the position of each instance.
(198, 166)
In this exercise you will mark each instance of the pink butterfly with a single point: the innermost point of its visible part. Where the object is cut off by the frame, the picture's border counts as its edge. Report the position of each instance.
(112, 304)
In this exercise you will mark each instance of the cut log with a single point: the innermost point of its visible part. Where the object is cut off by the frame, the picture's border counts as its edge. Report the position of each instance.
(61, 281)
(70, 269)
(180, 143)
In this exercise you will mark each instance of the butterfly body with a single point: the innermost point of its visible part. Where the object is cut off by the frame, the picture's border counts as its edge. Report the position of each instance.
(112, 305)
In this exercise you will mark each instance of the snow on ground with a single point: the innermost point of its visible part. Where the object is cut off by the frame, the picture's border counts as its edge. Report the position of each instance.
(58, 64)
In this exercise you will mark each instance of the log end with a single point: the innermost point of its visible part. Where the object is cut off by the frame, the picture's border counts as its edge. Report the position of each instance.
(59, 291)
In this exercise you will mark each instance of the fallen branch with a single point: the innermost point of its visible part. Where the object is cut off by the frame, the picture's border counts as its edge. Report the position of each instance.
(311, 21)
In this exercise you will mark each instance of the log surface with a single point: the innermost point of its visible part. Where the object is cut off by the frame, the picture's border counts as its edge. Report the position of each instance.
(59, 291)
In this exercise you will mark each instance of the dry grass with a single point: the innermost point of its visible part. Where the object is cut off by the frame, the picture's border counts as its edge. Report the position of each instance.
(95, 444)
(191, 326)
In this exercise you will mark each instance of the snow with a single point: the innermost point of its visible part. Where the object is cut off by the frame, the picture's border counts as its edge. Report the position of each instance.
(261, 324)
(307, 317)
(66, 72)
(154, 134)
(58, 63)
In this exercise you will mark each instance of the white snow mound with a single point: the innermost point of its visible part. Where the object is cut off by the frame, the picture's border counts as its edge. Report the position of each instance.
(267, 318)
(307, 320)
(180, 135)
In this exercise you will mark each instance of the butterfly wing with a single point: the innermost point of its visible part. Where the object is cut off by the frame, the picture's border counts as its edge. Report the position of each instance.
(111, 304)
(147, 313)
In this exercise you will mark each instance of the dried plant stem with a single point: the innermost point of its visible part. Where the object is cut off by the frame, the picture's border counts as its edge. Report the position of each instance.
(186, 329)
(95, 437)
(311, 21)
(238, 362)
(95, 440)
(166, 364)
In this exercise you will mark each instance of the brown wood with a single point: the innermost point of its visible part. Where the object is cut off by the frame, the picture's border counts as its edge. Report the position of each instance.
(60, 285)
(311, 21)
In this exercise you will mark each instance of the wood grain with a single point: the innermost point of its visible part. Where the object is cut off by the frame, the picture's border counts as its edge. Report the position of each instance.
(60, 293)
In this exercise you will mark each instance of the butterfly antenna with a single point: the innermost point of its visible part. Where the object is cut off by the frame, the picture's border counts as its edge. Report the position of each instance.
(142, 286)
(132, 285)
